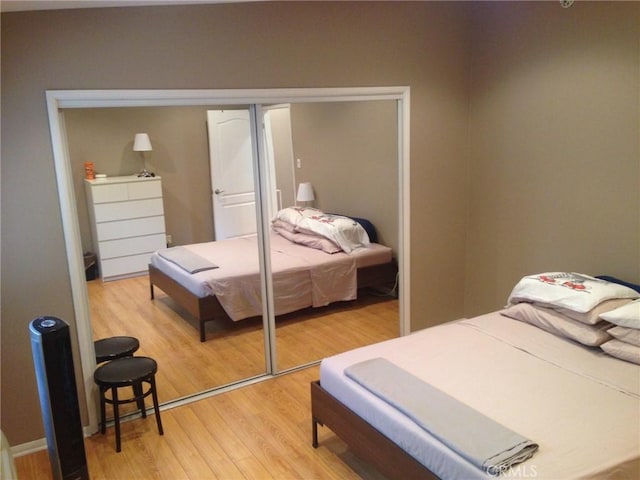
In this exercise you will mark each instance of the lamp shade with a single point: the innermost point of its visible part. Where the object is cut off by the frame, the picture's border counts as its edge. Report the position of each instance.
(141, 143)
(305, 192)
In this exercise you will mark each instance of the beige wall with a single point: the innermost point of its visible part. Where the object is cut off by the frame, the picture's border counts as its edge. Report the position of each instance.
(519, 112)
(180, 156)
(301, 44)
(356, 144)
(554, 154)
(349, 152)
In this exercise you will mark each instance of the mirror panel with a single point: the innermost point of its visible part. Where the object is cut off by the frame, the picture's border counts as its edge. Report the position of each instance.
(348, 153)
(180, 163)
(180, 160)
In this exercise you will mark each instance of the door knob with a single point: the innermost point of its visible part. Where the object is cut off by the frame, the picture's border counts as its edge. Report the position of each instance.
(217, 191)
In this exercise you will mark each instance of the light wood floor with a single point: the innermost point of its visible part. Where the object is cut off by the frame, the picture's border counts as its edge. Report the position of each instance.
(233, 350)
(261, 431)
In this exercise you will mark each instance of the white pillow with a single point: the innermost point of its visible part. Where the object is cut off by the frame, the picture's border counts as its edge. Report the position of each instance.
(593, 316)
(278, 224)
(293, 215)
(625, 316)
(344, 231)
(558, 324)
(622, 350)
(313, 241)
(573, 291)
(625, 334)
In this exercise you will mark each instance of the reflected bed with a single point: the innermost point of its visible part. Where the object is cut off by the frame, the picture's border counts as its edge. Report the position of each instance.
(302, 276)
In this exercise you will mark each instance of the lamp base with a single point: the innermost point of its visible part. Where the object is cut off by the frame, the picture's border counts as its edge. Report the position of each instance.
(146, 173)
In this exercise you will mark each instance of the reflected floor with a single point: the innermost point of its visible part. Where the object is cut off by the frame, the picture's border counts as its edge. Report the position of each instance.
(233, 350)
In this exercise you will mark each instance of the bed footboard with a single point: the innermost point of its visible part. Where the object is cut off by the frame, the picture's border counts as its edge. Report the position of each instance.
(364, 440)
(204, 309)
(208, 308)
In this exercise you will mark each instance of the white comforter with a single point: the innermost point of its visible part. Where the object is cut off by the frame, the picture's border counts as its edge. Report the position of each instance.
(581, 406)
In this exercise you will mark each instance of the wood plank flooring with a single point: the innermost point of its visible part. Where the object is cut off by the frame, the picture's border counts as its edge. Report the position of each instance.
(233, 350)
(261, 431)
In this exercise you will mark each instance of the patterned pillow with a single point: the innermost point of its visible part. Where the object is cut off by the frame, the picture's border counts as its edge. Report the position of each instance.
(573, 291)
(293, 215)
(312, 241)
(343, 231)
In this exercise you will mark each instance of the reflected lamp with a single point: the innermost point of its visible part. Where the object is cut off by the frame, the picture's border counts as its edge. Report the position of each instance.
(141, 143)
(305, 193)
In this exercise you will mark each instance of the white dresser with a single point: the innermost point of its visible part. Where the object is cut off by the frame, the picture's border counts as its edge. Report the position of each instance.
(127, 221)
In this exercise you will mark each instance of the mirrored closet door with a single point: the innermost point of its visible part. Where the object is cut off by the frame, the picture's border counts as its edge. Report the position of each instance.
(337, 151)
(179, 211)
(341, 159)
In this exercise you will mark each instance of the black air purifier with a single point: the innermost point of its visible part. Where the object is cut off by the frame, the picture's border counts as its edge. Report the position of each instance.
(51, 346)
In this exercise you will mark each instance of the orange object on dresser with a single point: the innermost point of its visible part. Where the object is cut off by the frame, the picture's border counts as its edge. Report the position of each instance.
(89, 173)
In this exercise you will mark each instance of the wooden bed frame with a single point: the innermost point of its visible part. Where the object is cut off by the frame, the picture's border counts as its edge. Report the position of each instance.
(206, 309)
(363, 439)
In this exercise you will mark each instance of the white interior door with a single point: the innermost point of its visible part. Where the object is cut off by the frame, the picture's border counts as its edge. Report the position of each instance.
(232, 186)
(233, 195)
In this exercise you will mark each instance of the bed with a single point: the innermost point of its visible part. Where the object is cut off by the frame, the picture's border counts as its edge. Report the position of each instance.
(525, 367)
(221, 279)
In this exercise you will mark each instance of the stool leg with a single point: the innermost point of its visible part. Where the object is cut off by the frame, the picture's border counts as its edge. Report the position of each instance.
(156, 408)
(116, 416)
(103, 413)
(138, 392)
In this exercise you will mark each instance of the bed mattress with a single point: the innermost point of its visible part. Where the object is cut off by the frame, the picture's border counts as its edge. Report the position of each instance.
(580, 405)
(303, 276)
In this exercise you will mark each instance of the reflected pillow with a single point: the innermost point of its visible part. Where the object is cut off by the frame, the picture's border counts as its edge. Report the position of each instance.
(281, 224)
(343, 231)
(312, 241)
(293, 215)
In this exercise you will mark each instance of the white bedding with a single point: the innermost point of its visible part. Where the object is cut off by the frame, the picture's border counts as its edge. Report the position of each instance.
(302, 276)
(580, 405)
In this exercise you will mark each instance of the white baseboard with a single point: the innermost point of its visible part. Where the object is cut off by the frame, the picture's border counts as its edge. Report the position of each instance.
(29, 447)
(40, 444)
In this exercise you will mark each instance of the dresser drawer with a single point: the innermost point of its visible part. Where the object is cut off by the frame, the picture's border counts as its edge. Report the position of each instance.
(131, 246)
(115, 192)
(108, 212)
(130, 228)
(145, 189)
(113, 268)
(121, 192)
(127, 223)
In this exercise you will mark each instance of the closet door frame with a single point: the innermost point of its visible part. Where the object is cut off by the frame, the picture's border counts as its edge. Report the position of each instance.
(57, 100)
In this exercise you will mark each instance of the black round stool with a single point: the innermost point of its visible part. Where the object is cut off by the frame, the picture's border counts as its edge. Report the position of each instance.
(115, 347)
(127, 372)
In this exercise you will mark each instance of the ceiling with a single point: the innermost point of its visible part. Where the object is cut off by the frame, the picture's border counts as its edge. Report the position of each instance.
(25, 5)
